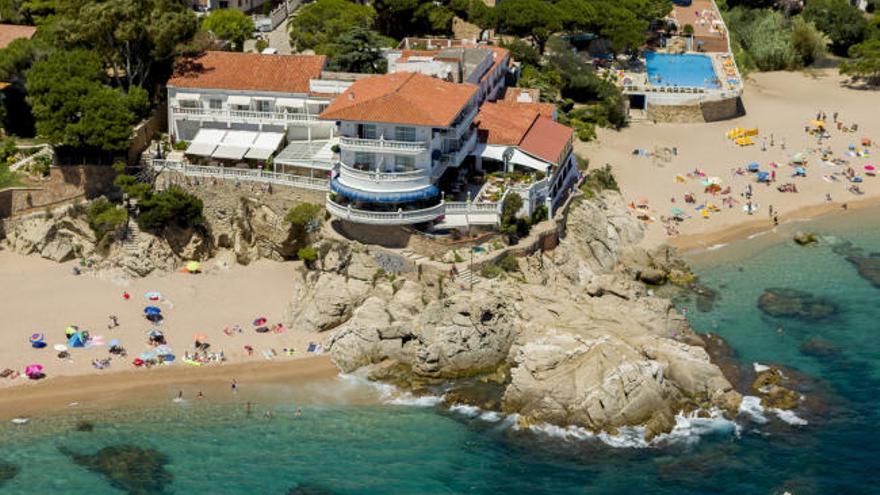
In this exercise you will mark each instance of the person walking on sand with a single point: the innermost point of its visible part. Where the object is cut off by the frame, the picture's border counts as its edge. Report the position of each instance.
(234, 386)
(776, 220)
(269, 414)
(247, 409)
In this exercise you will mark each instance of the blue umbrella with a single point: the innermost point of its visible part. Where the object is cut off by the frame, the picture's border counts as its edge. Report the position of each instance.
(152, 310)
(800, 171)
(753, 167)
(763, 176)
(114, 343)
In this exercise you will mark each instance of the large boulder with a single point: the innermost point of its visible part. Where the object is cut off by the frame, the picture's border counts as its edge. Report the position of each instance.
(60, 236)
(325, 301)
(795, 303)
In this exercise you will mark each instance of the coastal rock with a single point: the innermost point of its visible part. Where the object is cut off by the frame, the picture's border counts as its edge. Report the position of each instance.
(325, 301)
(60, 237)
(868, 267)
(129, 468)
(805, 238)
(8, 471)
(768, 386)
(783, 302)
(819, 347)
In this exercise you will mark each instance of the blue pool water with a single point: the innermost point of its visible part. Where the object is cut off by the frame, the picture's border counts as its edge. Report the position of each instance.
(344, 447)
(693, 70)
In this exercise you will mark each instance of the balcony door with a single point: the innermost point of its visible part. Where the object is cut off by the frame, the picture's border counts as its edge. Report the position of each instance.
(367, 131)
(407, 134)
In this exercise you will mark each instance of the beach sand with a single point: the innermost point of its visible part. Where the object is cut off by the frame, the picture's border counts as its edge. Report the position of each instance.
(777, 103)
(44, 296)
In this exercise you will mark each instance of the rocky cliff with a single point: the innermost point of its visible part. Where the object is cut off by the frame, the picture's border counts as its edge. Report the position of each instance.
(574, 338)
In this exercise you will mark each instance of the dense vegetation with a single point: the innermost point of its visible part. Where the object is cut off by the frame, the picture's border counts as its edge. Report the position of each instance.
(780, 35)
(156, 211)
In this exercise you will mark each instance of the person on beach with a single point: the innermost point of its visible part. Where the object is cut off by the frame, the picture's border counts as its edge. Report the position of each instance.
(200, 396)
(114, 322)
(269, 414)
(776, 220)
(247, 408)
(298, 412)
(234, 386)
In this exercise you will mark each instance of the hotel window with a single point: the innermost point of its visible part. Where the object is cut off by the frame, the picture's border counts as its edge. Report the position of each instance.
(189, 103)
(215, 103)
(364, 161)
(367, 131)
(405, 133)
(262, 105)
(404, 163)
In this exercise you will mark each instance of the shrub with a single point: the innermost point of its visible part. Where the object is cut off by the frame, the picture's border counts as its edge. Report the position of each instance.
(303, 214)
(261, 44)
(104, 217)
(181, 145)
(842, 22)
(509, 263)
(491, 271)
(539, 215)
(308, 254)
(809, 43)
(599, 179)
(173, 206)
(688, 30)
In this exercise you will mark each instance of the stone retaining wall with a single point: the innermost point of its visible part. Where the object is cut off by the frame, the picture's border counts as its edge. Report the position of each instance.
(64, 185)
(704, 111)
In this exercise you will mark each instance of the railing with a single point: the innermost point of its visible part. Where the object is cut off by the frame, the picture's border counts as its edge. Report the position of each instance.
(243, 174)
(399, 217)
(328, 86)
(462, 207)
(383, 144)
(454, 159)
(251, 116)
(464, 124)
(383, 181)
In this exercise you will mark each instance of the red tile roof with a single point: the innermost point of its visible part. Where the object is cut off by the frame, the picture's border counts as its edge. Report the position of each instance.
(401, 98)
(523, 125)
(249, 71)
(547, 139)
(12, 32)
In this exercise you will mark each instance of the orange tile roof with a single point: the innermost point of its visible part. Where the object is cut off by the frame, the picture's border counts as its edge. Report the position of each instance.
(523, 125)
(249, 71)
(547, 139)
(401, 98)
(12, 32)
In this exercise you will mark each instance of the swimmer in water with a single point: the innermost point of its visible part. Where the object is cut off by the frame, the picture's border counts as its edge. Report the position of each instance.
(200, 396)
(247, 409)
(179, 397)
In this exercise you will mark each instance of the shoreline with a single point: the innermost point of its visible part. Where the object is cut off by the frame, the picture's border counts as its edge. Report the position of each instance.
(142, 388)
(694, 243)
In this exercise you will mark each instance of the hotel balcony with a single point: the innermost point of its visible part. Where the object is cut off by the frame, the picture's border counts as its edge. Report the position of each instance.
(370, 217)
(369, 180)
(382, 145)
(245, 116)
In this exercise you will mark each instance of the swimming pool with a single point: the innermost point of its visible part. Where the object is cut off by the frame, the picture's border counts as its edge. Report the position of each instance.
(693, 70)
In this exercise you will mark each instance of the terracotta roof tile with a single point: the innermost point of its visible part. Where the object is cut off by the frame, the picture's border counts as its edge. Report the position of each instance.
(12, 32)
(547, 139)
(249, 71)
(523, 125)
(401, 98)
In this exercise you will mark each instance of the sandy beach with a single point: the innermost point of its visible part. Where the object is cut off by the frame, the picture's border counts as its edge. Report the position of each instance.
(779, 104)
(45, 297)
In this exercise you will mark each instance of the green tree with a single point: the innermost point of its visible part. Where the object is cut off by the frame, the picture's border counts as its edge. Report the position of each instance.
(133, 38)
(624, 29)
(536, 19)
(231, 25)
(513, 202)
(396, 18)
(431, 18)
(104, 217)
(864, 61)
(360, 50)
(523, 52)
(303, 214)
(843, 23)
(319, 25)
(810, 43)
(171, 207)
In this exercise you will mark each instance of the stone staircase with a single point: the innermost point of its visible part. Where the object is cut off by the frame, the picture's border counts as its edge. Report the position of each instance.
(413, 256)
(130, 241)
(467, 277)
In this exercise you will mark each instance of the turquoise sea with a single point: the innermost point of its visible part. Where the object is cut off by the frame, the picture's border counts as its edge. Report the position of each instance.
(336, 447)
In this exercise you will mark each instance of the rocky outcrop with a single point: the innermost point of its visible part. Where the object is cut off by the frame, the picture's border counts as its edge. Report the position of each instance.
(574, 338)
(794, 303)
(61, 236)
(804, 238)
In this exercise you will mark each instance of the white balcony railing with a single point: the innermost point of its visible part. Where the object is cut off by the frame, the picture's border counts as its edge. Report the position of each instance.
(454, 159)
(246, 116)
(399, 217)
(369, 180)
(242, 174)
(380, 145)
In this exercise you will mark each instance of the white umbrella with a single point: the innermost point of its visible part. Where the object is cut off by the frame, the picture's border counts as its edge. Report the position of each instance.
(60, 347)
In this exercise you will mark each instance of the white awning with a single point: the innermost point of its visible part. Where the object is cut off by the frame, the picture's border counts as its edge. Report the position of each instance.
(188, 96)
(264, 98)
(496, 152)
(205, 142)
(265, 144)
(235, 144)
(239, 100)
(290, 103)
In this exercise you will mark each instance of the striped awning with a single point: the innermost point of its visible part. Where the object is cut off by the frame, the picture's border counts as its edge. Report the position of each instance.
(383, 197)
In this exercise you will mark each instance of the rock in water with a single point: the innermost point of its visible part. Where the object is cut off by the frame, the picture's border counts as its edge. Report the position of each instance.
(782, 302)
(805, 238)
(8, 471)
(768, 385)
(868, 268)
(132, 469)
(819, 347)
(308, 490)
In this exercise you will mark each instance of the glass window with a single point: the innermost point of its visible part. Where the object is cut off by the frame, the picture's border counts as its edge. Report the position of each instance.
(405, 133)
(189, 103)
(216, 103)
(404, 163)
(262, 105)
(368, 131)
(364, 161)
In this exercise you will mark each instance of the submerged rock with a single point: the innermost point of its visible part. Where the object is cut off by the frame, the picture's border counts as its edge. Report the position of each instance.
(309, 490)
(783, 302)
(868, 267)
(85, 426)
(132, 469)
(8, 471)
(768, 386)
(804, 238)
(819, 347)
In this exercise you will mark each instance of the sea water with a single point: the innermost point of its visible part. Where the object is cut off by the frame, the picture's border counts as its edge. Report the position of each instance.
(401, 445)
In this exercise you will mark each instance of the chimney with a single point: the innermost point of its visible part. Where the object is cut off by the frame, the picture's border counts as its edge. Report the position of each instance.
(351, 96)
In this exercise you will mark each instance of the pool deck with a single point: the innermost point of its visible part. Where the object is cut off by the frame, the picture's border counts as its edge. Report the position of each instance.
(709, 29)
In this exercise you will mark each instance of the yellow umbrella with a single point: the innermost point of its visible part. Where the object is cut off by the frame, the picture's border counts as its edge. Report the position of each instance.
(193, 266)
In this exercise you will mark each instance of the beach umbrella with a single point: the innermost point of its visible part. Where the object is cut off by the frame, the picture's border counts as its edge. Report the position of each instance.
(152, 310)
(33, 369)
(153, 296)
(870, 168)
(763, 176)
(193, 266)
(200, 337)
(753, 167)
(800, 171)
(37, 337)
(114, 343)
(138, 362)
(154, 333)
(72, 329)
(60, 347)
(678, 212)
(260, 321)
